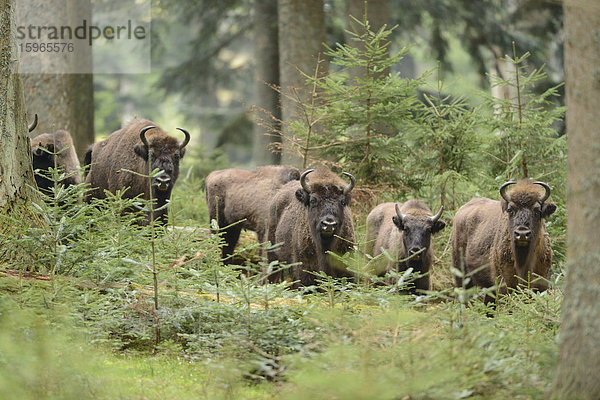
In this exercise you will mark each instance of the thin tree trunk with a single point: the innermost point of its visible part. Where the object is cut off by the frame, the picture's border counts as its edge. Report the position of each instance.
(301, 35)
(16, 171)
(579, 356)
(268, 113)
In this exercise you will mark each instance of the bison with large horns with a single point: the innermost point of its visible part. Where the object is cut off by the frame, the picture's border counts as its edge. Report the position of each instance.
(234, 195)
(53, 150)
(141, 147)
(311, 217)
(505, 242)
(404, 231)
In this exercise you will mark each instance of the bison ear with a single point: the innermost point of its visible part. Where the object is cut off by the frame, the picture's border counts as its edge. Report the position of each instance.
(181, 153)
(292, 175)
(141, 151)
(438, 226)
(398, 222)
(37, 151)
(302, 196)
(548, 209)
(504, 205)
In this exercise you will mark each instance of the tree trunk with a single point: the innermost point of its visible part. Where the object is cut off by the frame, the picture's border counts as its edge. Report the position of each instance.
(268, 113)
(301, 35)
(61, 100)
(16, 171)
(579, 356)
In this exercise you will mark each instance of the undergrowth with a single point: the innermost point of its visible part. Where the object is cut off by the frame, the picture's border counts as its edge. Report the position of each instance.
(80, 321)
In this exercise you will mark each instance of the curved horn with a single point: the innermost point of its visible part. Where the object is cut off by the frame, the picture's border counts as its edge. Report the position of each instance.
(503, 190)
(34, 123)
(186, 140)
(303, 180)
(350, 186)
(399, 213)
(143, 135)
(546, 187)
(437, 216)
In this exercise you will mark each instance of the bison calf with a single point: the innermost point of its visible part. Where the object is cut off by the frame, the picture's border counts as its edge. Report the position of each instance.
(311, 217)
(233, 195)
(507, 238)
(404, 231)
(141, 147)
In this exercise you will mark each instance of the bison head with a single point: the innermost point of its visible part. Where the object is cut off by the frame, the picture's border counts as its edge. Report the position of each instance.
(417, 229)
(164, 153)
(326, 202)
(525, 209)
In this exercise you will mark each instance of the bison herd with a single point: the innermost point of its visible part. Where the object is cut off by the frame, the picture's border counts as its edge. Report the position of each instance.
(495, 243)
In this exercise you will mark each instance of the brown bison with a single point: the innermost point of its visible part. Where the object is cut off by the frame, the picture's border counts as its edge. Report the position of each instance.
(53, 150)
(233, 195)
(404, 231)
(507, 238)
(131, 148)
(311, 217)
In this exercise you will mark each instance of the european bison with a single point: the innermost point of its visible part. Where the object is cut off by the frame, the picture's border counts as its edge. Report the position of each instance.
(404, 231)
(53, 150)
(506, 236)
(236, 194)
(311, 217)
(130, 148)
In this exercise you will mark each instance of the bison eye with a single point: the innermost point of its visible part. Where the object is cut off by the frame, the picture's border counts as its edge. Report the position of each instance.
(313, 201)
(343, 202)
(511, 211)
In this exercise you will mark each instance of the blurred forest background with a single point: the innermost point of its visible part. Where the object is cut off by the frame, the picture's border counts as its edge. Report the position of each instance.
(208, 60)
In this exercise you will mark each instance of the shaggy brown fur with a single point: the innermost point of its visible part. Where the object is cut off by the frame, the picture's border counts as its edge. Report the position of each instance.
(485, 231)
(296, 220)
(399, 237)
(50, 149)
(236, 194)
(124, 150)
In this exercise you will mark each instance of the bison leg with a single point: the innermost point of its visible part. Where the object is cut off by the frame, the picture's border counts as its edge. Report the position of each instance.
(231, 236)
(421, 284)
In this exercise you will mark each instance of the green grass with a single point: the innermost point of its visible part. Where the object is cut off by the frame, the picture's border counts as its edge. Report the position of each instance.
(358, 349)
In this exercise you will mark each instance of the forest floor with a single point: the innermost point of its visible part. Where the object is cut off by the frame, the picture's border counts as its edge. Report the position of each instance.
(64, 338)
